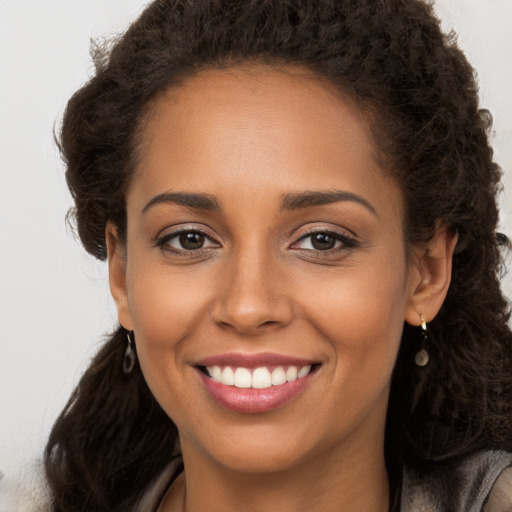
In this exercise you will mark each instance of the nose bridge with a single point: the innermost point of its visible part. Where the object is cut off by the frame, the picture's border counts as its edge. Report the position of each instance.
(252, 294)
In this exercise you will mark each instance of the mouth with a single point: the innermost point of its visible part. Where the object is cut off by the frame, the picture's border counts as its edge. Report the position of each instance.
(261, 377)
(255, 384)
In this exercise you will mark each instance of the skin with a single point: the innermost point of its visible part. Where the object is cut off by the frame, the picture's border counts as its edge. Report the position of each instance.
(248, 137)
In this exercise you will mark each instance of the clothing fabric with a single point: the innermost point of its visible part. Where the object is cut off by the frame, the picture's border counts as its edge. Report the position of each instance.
(478, 484)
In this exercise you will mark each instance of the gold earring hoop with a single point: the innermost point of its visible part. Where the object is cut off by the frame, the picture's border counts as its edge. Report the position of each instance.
(422, 356)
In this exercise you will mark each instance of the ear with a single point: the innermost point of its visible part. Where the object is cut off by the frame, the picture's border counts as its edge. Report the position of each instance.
(117, 275)
(429, 275)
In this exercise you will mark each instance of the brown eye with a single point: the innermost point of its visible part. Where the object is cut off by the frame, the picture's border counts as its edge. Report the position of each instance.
(323, 241)
(186, 241)
(191, 240)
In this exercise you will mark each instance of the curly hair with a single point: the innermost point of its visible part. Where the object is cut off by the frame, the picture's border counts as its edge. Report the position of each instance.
(421, 98)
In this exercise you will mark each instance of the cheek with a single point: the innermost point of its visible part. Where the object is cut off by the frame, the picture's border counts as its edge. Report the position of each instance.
(360, 322)
(361, 315)
(166, 309)
(163, 302)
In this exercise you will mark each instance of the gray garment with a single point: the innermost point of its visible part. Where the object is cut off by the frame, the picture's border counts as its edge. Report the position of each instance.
(463, 488)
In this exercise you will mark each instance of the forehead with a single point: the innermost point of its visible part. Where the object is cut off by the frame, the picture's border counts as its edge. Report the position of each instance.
(255, 128)
(247, 98)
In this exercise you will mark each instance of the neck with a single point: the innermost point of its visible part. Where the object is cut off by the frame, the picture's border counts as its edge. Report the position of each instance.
(353, 481)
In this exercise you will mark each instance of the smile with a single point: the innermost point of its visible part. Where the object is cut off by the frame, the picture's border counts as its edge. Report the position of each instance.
(259, 378)
(255, 383)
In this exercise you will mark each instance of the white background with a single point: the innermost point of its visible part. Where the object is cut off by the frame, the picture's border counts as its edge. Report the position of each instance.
(54, 299)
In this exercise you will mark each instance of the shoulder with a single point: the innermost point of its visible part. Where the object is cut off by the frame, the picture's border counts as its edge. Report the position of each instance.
(155, 493)
(500, 497)
(480, 483)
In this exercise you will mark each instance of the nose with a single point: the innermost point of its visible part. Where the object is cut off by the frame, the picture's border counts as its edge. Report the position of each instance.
(252, 296)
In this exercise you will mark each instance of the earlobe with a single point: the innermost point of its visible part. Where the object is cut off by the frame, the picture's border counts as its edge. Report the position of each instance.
(430, 276)
(117, 275)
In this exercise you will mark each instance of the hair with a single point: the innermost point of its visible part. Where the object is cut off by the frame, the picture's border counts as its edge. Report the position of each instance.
(420, 95)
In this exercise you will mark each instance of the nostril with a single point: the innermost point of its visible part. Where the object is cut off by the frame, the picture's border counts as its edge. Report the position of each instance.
(249, 310)
(269, 323)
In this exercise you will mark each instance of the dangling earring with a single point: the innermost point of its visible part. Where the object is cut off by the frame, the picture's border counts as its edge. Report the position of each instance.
(422, 357)
(129, 356)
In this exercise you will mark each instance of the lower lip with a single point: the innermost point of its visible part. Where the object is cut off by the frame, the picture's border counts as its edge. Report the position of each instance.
(251, 401)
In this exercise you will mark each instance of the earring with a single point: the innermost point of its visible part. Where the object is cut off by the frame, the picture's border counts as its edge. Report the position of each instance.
(129, 356)
(422, 357)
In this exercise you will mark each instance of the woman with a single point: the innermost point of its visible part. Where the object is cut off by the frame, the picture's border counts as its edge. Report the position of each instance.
(297, 205)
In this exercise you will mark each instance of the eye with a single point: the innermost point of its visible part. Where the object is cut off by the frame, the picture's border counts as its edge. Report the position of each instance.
(186, 241)
(324, 241)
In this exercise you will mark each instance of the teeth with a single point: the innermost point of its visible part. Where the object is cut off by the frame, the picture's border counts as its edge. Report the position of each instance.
(303, 371)
(216, 373)
(291, 374)
(260, 378)
(228, 376)
(242, 378)
(278, 376)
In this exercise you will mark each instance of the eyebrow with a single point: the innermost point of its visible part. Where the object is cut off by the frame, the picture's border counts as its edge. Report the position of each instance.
(291, 201)
(192, 200)
(320, 198)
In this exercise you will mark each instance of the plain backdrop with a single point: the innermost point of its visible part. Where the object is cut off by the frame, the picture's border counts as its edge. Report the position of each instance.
(54, 300)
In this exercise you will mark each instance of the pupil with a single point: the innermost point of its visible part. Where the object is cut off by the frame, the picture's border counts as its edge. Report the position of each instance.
(191, 240)
(323, 242)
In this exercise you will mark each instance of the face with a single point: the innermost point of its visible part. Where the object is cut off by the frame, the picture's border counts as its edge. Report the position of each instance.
(265, 248)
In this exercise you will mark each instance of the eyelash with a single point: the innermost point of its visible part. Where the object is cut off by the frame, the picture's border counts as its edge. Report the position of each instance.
(165, 239)
(347, 242)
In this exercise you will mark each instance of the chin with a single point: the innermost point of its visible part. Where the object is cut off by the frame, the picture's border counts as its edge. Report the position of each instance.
(261, 460)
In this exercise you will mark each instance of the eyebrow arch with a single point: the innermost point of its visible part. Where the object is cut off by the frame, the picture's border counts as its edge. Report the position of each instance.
(192, 200)
(320, 198)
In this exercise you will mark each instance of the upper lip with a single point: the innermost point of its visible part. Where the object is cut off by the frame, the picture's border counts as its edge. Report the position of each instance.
(237, 360)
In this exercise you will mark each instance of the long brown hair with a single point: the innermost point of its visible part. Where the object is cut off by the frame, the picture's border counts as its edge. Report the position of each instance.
(418, 90)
